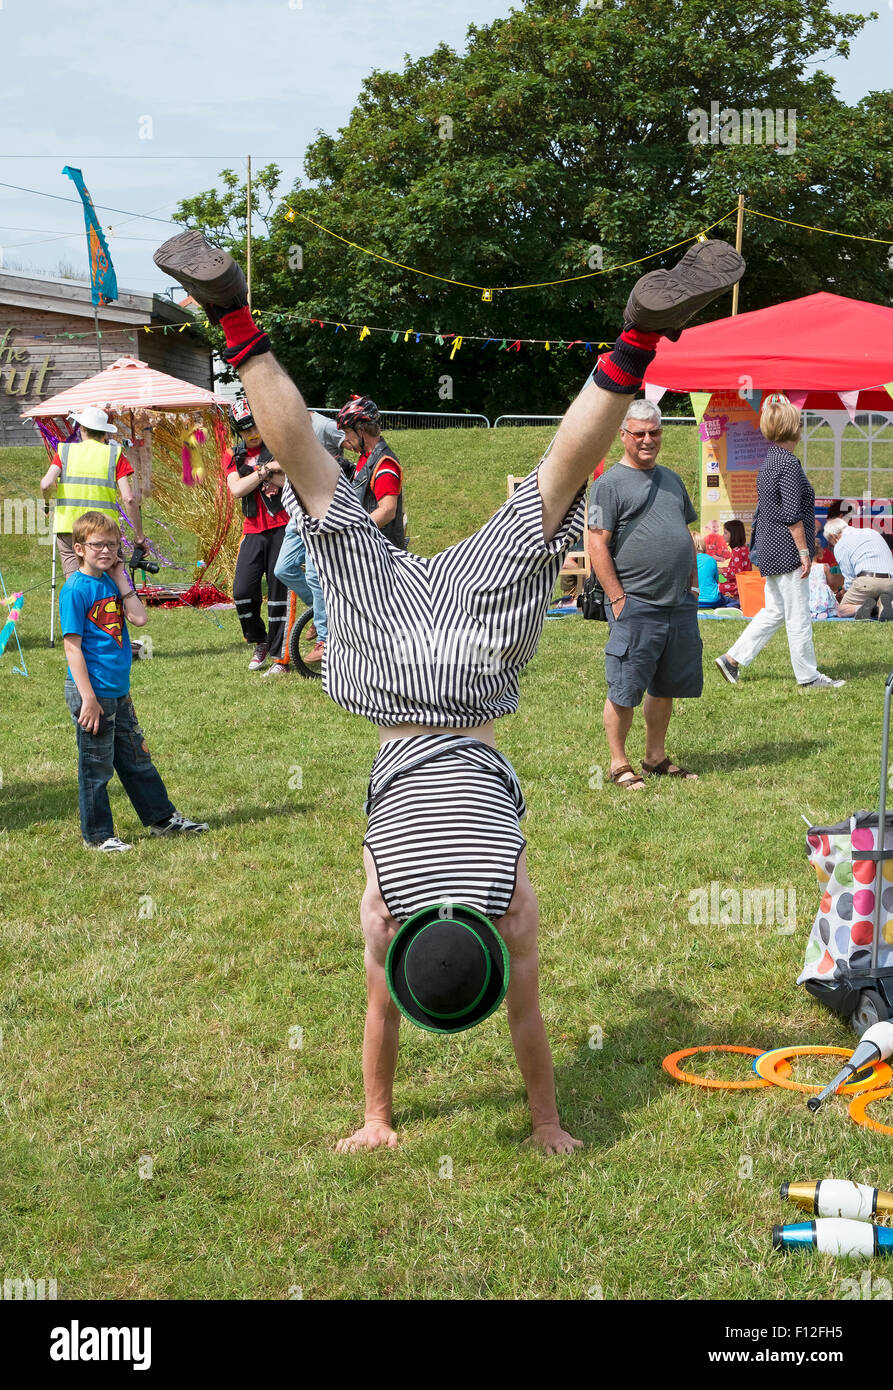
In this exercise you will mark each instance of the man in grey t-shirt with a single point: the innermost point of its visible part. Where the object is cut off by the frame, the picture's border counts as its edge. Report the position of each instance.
(650, 583)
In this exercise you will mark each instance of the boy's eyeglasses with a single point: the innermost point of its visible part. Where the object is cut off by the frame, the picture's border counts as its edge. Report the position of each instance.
(102, 545)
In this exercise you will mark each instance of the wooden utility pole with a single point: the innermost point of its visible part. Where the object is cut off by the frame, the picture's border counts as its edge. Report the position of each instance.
(248, 243)
(98, 336)
(739, 237)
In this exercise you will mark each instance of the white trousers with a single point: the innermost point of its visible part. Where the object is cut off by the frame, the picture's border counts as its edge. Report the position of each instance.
(787, 604)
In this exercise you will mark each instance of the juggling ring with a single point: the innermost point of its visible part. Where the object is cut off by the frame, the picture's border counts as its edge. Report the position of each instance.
(858, 1105)
(769, 1063)
(671, 1067)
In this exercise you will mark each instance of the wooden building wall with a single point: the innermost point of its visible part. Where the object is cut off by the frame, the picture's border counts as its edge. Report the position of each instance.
(35, 362)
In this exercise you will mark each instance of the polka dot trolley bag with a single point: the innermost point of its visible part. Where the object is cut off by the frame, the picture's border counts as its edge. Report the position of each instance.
(849, 957)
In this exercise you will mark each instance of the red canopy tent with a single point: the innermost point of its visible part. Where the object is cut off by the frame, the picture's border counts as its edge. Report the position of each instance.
(832, 355)
(822, 344)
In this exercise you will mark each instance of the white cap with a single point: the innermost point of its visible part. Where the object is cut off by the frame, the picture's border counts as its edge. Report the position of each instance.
(92, 418)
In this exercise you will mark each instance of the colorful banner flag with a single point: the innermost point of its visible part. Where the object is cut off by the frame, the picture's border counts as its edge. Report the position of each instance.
(14, 603)
(102, 272)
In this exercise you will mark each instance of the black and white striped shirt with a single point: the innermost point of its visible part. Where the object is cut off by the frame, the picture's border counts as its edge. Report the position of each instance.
(437, 641)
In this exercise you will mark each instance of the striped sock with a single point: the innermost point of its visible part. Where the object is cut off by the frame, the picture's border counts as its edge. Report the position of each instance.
(622, 371)
(243, 337)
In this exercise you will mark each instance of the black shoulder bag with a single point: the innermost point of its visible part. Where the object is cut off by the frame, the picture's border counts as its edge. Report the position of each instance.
(592, 601)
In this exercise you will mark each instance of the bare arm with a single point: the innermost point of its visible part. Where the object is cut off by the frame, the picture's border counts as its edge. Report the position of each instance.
(132, 508)
(385, 511)
(134, 611)
(584, 436)
(240, 487)
(91, 710)
(603, 564)
(284, 423)
(50, 479)
(799, 536)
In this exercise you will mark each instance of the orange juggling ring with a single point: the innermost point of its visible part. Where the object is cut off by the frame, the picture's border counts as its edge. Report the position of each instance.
(857, 1107)
(768, 1066)
(671, 1067)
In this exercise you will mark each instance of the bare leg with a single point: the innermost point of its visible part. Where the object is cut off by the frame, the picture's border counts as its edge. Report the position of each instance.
(518, 928)
(657, 711)
(381, 1034)
(284, 423)
(618, 722)
(584, 437)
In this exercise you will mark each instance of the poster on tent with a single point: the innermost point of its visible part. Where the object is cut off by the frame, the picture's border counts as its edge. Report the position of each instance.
(732, 450)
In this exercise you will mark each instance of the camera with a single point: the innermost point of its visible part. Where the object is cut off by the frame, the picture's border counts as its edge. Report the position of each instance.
(139, 561)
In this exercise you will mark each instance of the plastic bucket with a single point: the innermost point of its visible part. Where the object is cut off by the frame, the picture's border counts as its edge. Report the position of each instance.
(751, 592)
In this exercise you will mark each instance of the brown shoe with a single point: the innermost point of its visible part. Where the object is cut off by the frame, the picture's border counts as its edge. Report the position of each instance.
(210, 275)
(317, 654)
(664, 300)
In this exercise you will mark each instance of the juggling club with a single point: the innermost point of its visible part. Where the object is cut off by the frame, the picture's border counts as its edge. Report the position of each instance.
(834, 1197)
(835, 1236)
(875, 1045)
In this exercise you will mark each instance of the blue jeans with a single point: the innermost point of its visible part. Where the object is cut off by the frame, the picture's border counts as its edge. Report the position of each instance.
(298, 572)
(119, 746)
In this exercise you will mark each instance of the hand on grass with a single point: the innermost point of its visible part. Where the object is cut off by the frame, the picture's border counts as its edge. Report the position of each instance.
(552, 1139)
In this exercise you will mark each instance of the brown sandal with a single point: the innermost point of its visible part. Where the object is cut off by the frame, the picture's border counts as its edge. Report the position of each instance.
(621, 772)
(663, 770)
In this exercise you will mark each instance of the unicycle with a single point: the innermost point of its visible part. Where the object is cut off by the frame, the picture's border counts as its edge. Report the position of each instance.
(300, 645)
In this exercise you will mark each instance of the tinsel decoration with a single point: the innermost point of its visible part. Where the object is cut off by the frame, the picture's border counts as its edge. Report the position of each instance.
(203, 506)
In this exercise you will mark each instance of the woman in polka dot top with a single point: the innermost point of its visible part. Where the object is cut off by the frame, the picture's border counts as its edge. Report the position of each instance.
(783, 544)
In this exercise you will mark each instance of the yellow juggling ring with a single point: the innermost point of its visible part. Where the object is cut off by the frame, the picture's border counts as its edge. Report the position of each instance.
(769, 1064)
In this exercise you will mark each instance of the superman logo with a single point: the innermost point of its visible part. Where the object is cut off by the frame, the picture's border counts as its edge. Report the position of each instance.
(108, 615)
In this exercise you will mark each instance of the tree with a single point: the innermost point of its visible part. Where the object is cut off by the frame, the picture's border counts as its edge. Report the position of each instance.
(560, 139)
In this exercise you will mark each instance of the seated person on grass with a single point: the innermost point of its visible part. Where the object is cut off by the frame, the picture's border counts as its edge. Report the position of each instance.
(93, 602)
(431, 650)
(708, 577)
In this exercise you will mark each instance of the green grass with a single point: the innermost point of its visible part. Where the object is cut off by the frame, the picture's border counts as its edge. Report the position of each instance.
(167, 1035)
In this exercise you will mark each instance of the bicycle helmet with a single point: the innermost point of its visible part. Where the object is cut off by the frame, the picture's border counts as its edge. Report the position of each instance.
(359, 411)
(241, 416)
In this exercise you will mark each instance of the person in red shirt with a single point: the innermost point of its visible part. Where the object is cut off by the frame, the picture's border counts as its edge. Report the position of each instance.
(377, 479)
(102, 428)
(253, 476)
(739, 559)
(714, 543)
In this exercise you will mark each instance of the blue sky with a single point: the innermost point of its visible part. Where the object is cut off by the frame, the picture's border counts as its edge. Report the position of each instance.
(217, 81)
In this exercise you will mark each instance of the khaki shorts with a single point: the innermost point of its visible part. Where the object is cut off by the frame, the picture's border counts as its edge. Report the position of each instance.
(864, 588)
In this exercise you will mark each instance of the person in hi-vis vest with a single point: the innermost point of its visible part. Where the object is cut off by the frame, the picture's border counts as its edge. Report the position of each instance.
(90, 475)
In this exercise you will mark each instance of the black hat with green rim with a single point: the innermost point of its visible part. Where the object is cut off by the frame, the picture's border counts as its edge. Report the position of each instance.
(447, 968)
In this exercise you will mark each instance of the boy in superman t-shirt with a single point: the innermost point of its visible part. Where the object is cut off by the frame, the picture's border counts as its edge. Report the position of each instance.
(92, 607)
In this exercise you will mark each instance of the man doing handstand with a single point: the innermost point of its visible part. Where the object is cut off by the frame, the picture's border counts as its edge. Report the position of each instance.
(431, 649)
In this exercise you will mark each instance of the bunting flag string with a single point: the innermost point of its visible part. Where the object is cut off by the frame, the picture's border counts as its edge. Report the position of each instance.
(453, 341)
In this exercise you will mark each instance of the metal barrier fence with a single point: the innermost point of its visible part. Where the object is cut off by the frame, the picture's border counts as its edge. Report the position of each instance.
(420, 420)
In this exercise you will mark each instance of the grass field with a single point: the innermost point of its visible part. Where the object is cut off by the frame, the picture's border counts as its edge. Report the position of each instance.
(165, 1137)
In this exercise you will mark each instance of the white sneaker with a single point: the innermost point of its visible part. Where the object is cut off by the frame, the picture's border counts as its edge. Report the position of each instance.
(110, 846)
(821, 683)
(179, 825)
(259, 658)
(277, 669)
